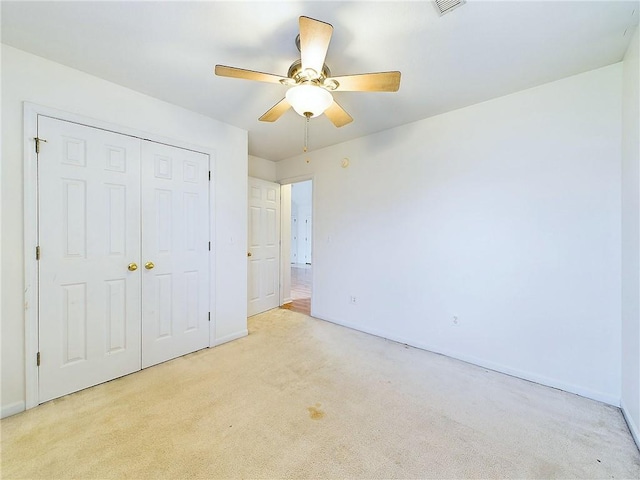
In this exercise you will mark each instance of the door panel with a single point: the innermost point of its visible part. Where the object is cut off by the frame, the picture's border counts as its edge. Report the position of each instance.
(89, 231)
(264, 246)
(175, 238)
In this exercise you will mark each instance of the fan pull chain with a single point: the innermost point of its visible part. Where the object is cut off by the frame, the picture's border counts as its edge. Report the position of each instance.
(306, 134)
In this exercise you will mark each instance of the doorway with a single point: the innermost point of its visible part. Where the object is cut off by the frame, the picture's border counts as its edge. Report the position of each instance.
(301, 247)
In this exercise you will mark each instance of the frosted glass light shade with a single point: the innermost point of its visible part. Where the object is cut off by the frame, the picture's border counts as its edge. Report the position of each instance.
(309, 99)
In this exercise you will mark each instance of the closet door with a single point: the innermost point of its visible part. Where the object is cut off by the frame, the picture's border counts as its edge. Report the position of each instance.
(175, 252)
(89, 237)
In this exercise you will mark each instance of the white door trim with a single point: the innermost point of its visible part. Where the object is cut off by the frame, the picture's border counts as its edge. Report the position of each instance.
(298, 179)
(30, 129)
(285, 245)
(30, 263)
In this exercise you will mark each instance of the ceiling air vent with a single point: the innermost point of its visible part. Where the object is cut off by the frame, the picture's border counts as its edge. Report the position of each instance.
(445, 6)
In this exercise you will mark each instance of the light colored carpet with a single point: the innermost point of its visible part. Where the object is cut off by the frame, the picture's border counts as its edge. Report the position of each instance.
(302, 398)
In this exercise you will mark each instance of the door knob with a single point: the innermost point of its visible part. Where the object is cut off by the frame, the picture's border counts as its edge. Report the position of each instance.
(132, 267)
(248, 254)
(149, 265)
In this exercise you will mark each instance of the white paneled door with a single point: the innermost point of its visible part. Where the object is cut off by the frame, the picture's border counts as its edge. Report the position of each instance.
(263, 246)
(123, 235)
(175, 250)
(89, 233)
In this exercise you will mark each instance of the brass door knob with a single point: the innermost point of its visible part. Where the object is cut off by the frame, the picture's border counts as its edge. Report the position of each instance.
(149, 265)
(248, 254)
(132, 267)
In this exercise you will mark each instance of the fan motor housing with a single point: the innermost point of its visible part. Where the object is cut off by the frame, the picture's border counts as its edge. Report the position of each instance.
(296, 73)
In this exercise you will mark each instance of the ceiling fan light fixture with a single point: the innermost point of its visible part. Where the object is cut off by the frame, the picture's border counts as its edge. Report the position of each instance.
(310, 81)
(309, 99)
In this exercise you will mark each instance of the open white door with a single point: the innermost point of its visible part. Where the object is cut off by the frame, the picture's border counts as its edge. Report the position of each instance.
(263, 246)
(89, 235)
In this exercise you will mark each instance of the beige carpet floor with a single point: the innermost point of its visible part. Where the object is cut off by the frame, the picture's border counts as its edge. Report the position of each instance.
(302, 398)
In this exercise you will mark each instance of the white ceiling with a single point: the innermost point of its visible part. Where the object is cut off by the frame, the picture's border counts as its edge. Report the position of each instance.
(168, 50)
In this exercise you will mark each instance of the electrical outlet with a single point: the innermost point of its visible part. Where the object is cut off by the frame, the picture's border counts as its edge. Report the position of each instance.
(353, 300)
(455, 321)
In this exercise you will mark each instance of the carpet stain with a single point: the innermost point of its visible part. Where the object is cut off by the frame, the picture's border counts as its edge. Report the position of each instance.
(315, 413)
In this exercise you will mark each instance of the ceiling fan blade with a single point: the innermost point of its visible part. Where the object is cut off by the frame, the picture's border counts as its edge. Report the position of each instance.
(275, 112)
(368, 82)
(338, 116)
(314, 43)
(224, 71)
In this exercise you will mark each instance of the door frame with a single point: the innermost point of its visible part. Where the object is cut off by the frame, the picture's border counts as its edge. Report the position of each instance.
(285, 263)
(31, 111)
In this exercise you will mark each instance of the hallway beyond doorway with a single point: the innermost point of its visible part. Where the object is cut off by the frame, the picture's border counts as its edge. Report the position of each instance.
(301, 281)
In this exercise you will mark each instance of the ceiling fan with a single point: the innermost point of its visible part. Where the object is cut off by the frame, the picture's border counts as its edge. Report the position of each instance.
(311, 81)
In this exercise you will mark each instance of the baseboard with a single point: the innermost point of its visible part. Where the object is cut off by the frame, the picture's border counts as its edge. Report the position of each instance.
(532, 377)
(8, 410)
(229, 338)
(633, 428)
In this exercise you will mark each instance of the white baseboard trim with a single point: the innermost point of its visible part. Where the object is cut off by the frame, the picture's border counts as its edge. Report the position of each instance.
(287, 300)
(229, 338)
(633, 427)
(529, 376)
(12, 409)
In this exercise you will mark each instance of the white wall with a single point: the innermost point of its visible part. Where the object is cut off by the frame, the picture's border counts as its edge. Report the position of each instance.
(262, 168)
(505, 214)
(26, 77)
(631, 240)
(301, 194)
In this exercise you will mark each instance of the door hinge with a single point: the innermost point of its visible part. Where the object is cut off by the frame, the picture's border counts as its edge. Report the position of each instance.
(38, 252)
(209, 316)
(209, 175)
(38, 140)
(209, 246)
(38, 359)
